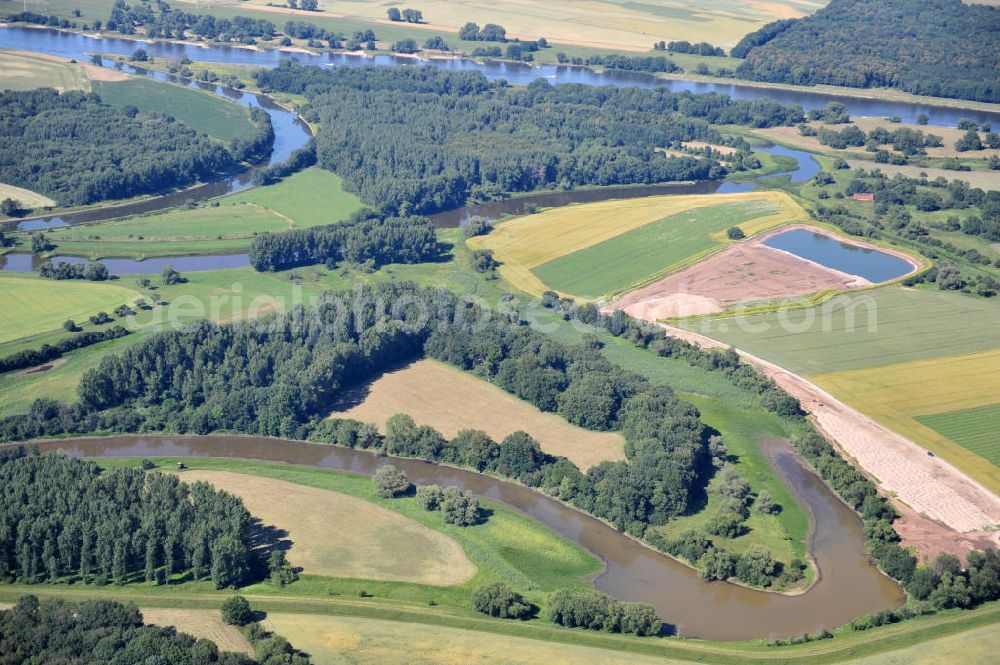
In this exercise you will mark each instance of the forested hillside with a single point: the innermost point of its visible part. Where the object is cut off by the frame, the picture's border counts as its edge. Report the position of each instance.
(418, 140)
(943, 48)
(62, 517)
(45, 137)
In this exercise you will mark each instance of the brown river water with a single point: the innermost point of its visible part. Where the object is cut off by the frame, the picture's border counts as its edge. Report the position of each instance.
(849, 584)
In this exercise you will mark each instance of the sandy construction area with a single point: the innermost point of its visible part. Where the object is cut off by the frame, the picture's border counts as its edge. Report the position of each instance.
(745, 272)
(942, 508)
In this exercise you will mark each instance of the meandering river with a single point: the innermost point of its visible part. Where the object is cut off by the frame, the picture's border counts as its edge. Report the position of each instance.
(849, 584)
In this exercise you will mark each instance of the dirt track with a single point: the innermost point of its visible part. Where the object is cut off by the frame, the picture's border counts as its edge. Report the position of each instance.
(943, 510)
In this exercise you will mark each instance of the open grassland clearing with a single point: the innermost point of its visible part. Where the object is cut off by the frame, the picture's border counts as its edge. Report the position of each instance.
(881, 326)
(975, 429)
(338, 535)
(525, 243)
(200, 110)
(32, 305)
(599, 23)
(26, 71)
(26, 197)
(199, 623)
(450, 400)
(946, 404)
(627, 259)
(206, 230)
(310, 197)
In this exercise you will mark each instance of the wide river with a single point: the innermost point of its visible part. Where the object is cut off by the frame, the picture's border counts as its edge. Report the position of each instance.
(849, 584)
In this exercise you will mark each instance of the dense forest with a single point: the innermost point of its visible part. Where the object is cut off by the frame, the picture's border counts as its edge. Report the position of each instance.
(281, 375)
(54, 631)
(418, 140)
(45, 137)
(367, 238)
(944, 48)
(63, 517)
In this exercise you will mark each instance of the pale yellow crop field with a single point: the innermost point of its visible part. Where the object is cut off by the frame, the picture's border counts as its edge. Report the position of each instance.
(449, 400)
(26, 197)
(343, 536)
(199, 623)
(597, 23)
(27, 71)
(895, 395)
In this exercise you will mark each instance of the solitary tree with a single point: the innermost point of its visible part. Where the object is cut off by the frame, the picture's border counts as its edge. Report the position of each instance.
(735, 233)
(236, 611)
(500, 600)
(390, 482)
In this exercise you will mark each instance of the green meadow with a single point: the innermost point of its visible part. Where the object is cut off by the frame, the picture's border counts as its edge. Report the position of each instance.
(200, 110)
(627, 259)
(974, 429)
(862, 329)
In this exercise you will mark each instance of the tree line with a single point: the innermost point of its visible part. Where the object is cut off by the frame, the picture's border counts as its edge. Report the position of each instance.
(942, 48)
(159, 20)
(418, 140)
(366, 238)
(48, 352)
(53, 630)
(45, 136)
(62, 518)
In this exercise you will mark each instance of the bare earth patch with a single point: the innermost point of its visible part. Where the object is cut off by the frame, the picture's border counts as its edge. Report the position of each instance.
(449, 400)
(342, 536)
(744, 272)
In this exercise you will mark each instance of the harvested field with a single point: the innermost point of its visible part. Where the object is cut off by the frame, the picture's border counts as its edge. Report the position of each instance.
(342, 536)
(526, 243)
(200, 623)
(450, 400)
(333, 640)
(607, 24)
(20, 70)
(741, 273)
(28, 198)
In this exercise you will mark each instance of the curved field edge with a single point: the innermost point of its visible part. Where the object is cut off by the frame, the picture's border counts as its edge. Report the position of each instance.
(371, 541)
(508, 546)
(524, 243)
